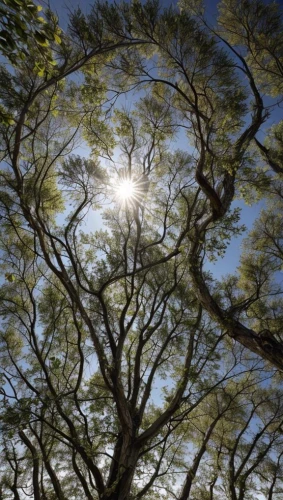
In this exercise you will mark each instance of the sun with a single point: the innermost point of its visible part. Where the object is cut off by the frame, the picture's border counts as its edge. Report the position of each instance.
(125, 190)
(130, 191)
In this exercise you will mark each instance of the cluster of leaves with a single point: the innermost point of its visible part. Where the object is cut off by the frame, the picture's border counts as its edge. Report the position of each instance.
(22, 25)
(256, 28)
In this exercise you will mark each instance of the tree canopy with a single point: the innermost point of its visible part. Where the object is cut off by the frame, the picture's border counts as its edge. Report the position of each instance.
(129, 369)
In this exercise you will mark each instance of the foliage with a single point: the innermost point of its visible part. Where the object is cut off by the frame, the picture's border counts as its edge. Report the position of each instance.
(22, 25)
(128, 369)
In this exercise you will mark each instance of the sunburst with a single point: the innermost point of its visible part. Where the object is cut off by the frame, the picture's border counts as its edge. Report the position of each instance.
(126, 189)
(129, 191)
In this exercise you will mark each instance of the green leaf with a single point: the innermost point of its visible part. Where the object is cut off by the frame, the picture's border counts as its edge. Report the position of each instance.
(57, 39)
(10, 277)
(41, 39)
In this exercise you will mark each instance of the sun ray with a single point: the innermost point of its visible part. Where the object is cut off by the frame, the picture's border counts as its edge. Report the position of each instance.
(126, 189)
(131, 192)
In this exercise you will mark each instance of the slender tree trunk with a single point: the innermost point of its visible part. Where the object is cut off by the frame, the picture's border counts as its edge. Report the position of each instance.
(84, 484)
(242, 490)
(54, 479)
(193, 469)
(232, 489)
(15, 491)
(270, 491)
(35, 460)
(211, 488)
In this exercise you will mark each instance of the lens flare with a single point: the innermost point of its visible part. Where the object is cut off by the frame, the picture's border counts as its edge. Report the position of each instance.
(131, 192)
(126, 189)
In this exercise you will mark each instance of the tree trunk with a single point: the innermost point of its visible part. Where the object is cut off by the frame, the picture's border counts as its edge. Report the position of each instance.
(185, 495)
(122, 471)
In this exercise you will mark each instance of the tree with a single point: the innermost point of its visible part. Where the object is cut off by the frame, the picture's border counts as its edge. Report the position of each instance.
(127, 369)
